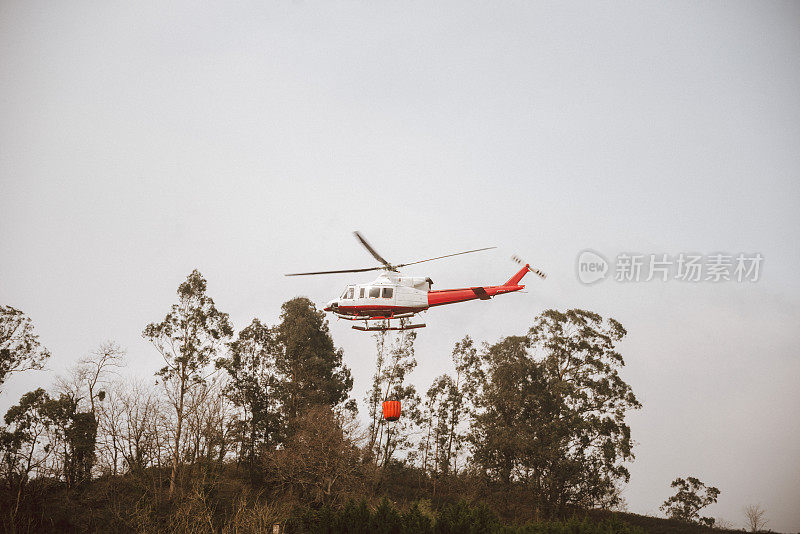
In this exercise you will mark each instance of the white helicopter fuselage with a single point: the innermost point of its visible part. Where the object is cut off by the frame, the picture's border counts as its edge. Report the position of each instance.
(389, 294)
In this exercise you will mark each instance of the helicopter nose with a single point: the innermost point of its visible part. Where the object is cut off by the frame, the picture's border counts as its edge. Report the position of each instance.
(332, 306)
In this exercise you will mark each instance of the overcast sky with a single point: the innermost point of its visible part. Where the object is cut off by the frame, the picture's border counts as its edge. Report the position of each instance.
(141, 140)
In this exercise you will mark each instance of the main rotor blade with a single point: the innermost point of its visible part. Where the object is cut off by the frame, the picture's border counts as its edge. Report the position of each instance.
(341, 271)
(372, 250)
(445, 256)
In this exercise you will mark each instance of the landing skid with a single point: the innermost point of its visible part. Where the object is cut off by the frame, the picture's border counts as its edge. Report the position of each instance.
(384, 327)
(384, 324)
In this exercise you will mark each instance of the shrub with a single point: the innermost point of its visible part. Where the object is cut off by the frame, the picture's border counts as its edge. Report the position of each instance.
(386, 519)
(460, 518)
(415, 522)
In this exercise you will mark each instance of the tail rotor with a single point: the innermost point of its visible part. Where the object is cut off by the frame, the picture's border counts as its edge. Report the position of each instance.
(520, 261)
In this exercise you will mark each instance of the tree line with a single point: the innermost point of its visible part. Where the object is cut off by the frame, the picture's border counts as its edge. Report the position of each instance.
(534, 424)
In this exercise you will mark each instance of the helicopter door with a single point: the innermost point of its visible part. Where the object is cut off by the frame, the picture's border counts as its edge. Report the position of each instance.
(411, 298)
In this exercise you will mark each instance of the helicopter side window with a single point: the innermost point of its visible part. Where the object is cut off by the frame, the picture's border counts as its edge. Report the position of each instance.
(361, 293)
(387, 292)
(374, 292)
(350, 292)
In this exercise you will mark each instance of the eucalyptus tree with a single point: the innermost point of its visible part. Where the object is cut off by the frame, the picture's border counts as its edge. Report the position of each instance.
(436, 425)
(188, 338)
(20, 349)
(691, 496)
(466, 361)
(588, 441)
(550, 411)
(448, 409)
(504, 423)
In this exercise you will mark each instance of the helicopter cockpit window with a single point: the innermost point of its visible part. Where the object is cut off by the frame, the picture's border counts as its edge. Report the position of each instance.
(350, 292)
(361, 293)
(344, 295)
(387, 292)
(374, 292)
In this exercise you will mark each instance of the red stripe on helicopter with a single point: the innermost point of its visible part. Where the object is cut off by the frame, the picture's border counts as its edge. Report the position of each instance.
(379, 308)
(449, 296)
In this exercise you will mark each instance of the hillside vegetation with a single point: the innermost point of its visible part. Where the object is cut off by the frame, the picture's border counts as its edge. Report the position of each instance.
(239, 431)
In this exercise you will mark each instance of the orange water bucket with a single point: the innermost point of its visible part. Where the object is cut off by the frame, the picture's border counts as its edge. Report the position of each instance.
(391, 410)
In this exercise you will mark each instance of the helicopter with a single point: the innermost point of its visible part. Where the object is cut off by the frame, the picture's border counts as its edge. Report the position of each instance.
(393, 296)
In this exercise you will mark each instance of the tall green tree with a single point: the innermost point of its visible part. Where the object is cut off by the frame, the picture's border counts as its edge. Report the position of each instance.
(448, 409)
(551, 413)
(589, 438)
(467, 374)
(250, 365)
(20, 349)
(506, 422)
(310, 364)
(75, 434)
(23, 447)
(188, 338)
(691, 497)
(446, 412)
(436, 425)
